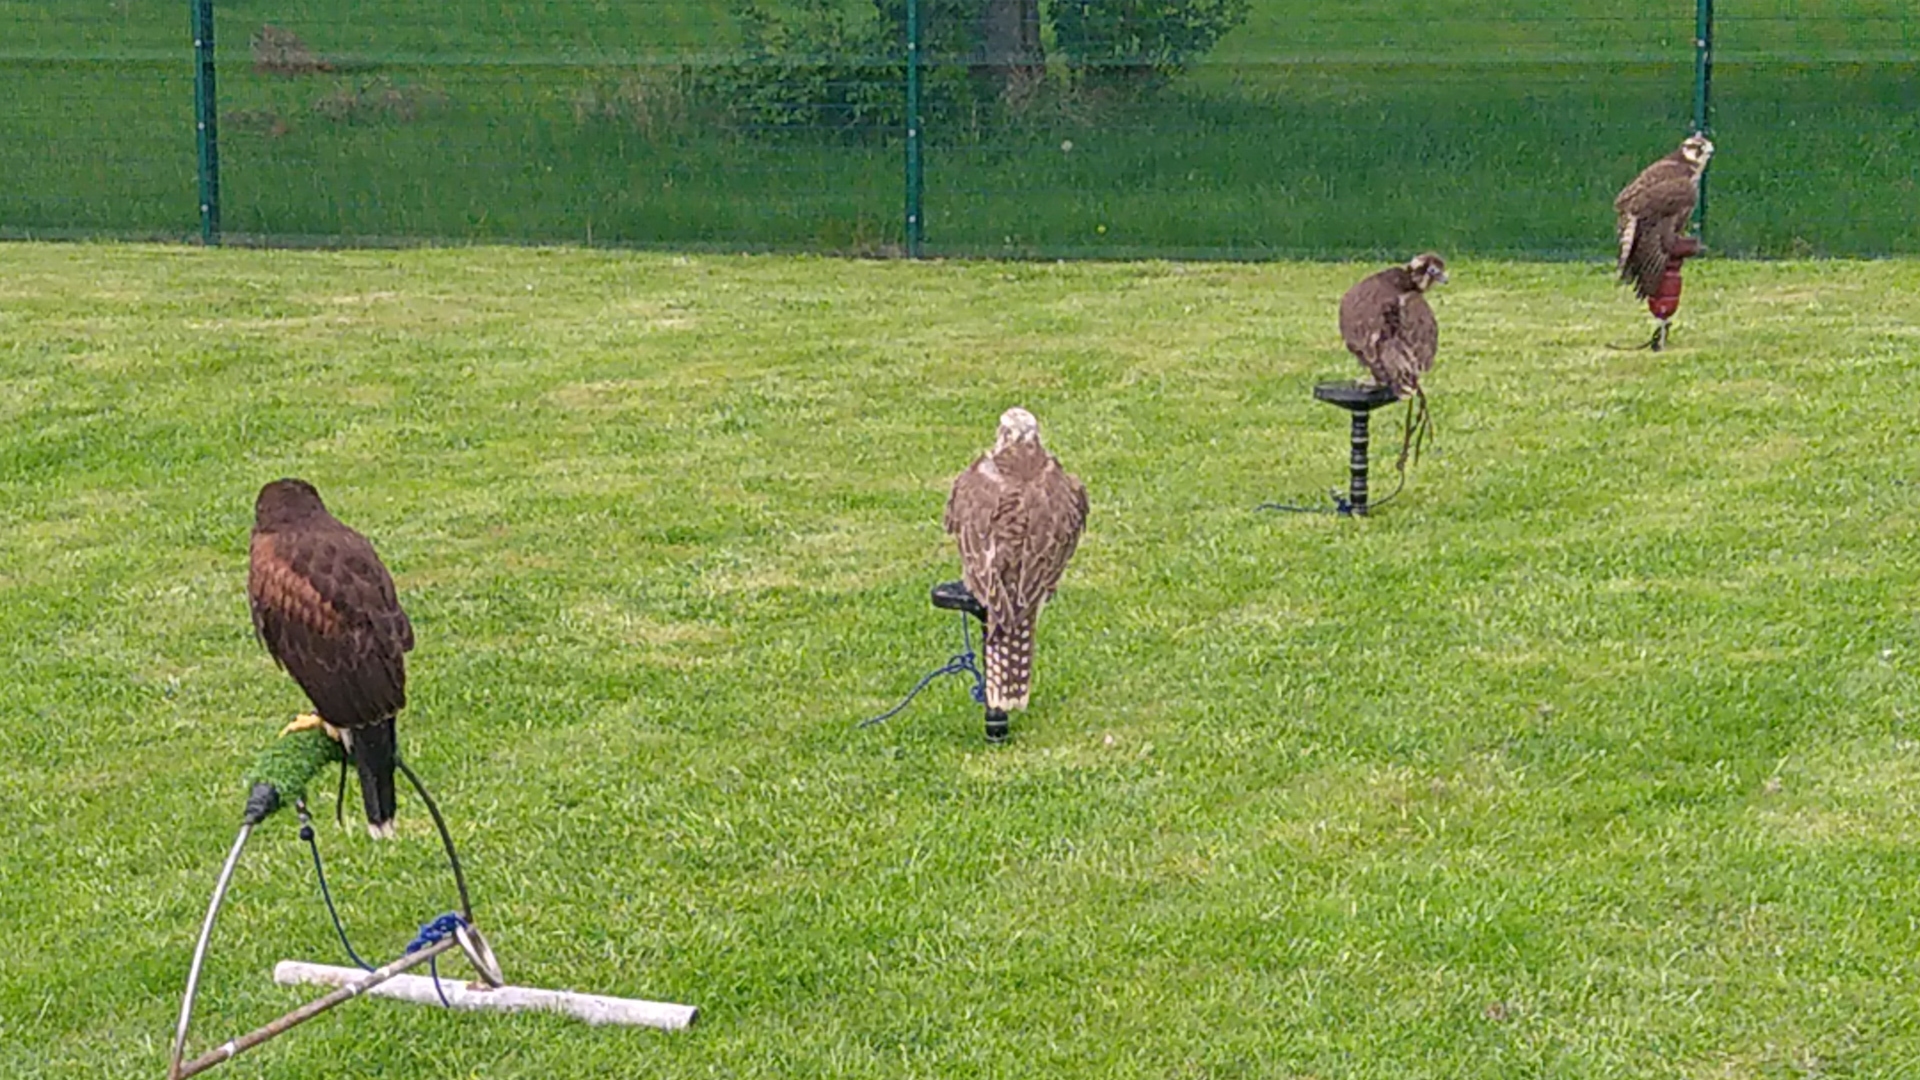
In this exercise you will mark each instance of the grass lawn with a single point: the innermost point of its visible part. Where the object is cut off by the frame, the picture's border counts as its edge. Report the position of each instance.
(1593, 755)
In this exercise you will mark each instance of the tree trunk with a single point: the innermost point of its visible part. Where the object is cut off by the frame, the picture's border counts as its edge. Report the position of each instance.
(1010, 58)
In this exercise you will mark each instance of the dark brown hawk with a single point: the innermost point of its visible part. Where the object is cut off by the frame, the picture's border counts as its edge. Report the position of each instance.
(1017, 516)
(1654, 210)
(1389, 327)
(325, 608)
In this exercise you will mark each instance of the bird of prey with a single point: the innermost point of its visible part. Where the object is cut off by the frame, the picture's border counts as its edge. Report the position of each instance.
(1388, 326)
(324, 606)
(1654, 210)
(1017, 516)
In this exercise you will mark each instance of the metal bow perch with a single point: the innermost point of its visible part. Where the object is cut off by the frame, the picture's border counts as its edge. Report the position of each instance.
(280, 777)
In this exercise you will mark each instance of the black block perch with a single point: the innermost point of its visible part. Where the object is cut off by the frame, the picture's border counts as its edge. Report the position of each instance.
(954, 596)
(1359, 399)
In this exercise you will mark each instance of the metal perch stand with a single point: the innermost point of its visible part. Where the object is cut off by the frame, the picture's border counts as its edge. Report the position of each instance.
(227, 1051)
(390, 980)
(1359, 399)
(954, 596)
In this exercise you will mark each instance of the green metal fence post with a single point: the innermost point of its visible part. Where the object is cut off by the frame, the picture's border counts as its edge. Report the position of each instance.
(206, 109)
(1702, 95)
(916, 219)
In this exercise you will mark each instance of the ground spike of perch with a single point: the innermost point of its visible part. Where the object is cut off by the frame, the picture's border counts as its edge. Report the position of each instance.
(1359, 399)
(592, 1008)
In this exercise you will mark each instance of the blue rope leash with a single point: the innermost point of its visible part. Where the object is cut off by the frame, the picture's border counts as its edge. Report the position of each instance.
(306, 833)
(437, 930)
(961, 663)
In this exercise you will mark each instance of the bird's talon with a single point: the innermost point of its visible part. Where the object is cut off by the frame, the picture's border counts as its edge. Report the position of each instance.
(310, 722)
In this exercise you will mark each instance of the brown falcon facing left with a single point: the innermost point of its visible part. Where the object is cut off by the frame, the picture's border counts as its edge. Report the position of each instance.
(1653, 212)
(325, 607)
(1017, 516)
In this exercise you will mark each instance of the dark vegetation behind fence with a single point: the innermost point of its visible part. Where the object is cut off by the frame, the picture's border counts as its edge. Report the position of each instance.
(1240, 128)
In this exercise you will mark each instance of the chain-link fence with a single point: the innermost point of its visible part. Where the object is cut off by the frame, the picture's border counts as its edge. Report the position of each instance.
(1240, 128)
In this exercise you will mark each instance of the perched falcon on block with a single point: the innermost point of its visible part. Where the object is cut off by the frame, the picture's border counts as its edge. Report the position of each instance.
(1387, 324)
(1654, 211)
(324, 606)
(1017, 516)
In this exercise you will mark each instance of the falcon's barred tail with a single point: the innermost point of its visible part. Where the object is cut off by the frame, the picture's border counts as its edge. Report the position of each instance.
(1009, 664)
(1629, 230)
(373, 749)
(1643, 257)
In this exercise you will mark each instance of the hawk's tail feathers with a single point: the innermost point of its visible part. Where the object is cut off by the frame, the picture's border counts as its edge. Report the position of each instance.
(374, 749)
(1645, 262)
(1009, 663)
(1643, 254)
(1629, 229)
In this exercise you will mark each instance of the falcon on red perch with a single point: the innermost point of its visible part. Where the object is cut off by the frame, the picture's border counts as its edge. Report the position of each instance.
(1653, 213)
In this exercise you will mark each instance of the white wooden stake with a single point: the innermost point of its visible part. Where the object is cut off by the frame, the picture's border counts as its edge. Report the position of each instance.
(593, 1008)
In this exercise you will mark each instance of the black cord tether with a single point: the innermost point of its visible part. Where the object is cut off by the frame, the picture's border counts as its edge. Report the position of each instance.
(1360, 399)
(313, 845)
(446, 839)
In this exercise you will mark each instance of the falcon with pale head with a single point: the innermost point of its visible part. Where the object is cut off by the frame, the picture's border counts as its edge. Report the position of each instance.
(1653, 212)
(1017, 517)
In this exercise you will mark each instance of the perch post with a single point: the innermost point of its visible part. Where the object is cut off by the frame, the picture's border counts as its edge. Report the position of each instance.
(1359, 399)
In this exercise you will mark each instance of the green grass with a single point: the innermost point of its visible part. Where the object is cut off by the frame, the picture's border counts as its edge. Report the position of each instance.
(1593, 755)
(1486, 126)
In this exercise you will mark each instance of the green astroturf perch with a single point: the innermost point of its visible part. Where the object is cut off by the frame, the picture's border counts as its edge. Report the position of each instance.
(280, 775)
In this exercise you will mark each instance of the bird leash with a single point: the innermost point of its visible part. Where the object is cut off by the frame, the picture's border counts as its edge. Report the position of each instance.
(432, 931)
(1657, 342)
(960, 663)
(1416, 433)
(441, 926)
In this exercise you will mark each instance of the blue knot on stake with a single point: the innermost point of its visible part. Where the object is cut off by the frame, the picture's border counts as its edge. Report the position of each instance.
(438, 930)
(961, 663)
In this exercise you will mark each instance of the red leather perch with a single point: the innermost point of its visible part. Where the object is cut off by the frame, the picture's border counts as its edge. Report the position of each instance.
(1666, 296)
